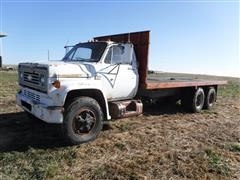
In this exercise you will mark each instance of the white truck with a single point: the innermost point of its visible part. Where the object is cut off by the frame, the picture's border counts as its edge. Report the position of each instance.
(99, 80)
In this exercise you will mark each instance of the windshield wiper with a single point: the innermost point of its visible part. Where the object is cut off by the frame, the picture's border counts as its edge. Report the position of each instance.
(87, 60)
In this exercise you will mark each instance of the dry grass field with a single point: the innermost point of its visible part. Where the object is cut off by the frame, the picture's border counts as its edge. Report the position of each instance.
(163, 143)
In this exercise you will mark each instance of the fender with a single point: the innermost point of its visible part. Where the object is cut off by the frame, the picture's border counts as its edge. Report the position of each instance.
(71, 88)
(97, 94)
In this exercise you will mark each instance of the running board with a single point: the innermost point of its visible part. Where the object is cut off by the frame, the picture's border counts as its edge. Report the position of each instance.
(124, 109)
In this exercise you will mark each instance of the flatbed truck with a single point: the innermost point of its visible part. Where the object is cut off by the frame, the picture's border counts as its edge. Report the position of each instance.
(103, 79)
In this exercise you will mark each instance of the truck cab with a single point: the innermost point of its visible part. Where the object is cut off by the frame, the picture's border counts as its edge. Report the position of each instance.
(99, 72)
(111, 63)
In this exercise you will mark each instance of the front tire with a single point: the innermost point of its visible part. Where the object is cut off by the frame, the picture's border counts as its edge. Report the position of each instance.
(83, 120)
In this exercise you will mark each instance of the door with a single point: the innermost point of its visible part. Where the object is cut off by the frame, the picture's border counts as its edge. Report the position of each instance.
(121, 74)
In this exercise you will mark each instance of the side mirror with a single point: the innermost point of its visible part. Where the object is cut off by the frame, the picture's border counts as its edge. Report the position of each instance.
(128, 53)
(122, 49)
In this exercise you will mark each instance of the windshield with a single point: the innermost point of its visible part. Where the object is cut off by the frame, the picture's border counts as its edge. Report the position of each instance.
(90, 52)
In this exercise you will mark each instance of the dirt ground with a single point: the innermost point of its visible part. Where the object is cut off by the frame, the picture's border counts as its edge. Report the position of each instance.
(163, 143)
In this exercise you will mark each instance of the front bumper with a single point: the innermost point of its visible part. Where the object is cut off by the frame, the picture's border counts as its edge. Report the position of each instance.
(49, 114)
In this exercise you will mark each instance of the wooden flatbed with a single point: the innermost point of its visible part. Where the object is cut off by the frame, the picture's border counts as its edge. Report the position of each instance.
(177, 82)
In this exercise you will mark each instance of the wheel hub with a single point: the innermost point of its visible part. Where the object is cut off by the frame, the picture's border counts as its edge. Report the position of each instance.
(211, 98)
(84, 121)
(199, 100)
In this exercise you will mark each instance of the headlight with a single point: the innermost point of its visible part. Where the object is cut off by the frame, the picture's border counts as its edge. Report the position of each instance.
(42, 79)
(21, 75)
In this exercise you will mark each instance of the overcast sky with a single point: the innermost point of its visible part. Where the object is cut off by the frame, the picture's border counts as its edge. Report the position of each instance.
(186, 36)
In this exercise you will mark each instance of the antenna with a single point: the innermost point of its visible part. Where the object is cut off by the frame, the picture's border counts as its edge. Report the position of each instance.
(66, 47)
(48, 55)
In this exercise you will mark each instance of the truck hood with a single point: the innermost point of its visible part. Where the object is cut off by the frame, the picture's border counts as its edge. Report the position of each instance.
(63, 69)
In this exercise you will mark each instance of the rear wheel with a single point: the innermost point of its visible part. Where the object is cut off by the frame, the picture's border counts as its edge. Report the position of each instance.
(83, 120)
(210, 98)
(193, 101)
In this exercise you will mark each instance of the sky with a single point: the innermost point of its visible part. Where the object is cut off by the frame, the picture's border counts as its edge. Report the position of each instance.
(200, 37)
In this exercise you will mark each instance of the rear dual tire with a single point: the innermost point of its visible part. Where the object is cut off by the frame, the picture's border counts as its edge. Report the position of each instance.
(210, 98)
(193, 101)
(196, 100)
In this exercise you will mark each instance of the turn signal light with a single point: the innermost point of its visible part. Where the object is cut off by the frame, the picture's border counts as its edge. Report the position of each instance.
(56, 84)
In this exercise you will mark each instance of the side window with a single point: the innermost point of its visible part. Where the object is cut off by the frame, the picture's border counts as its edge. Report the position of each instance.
(118, 54)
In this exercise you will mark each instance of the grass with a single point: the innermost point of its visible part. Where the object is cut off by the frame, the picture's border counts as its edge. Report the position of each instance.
(35, 164)
(8, 76)
(100, 171)
(216, 163)
(232, 89)
(8, 84)
(234, 147)
(125, 126)
(120, 146)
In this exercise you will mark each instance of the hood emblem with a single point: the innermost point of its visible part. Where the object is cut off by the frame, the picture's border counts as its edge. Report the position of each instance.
(29, 77)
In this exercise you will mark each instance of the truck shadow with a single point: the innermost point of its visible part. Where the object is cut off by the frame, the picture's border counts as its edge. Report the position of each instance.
(19, 133)
(161, 108)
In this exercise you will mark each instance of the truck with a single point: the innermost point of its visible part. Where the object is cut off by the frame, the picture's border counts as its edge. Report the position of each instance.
(102, 79)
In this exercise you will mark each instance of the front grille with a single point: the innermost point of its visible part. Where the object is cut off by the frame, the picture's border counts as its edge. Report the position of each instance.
(30, 75)
(33, 78)
(31, 95)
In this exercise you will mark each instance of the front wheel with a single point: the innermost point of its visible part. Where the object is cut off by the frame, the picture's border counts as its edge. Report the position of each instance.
(83, 120)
